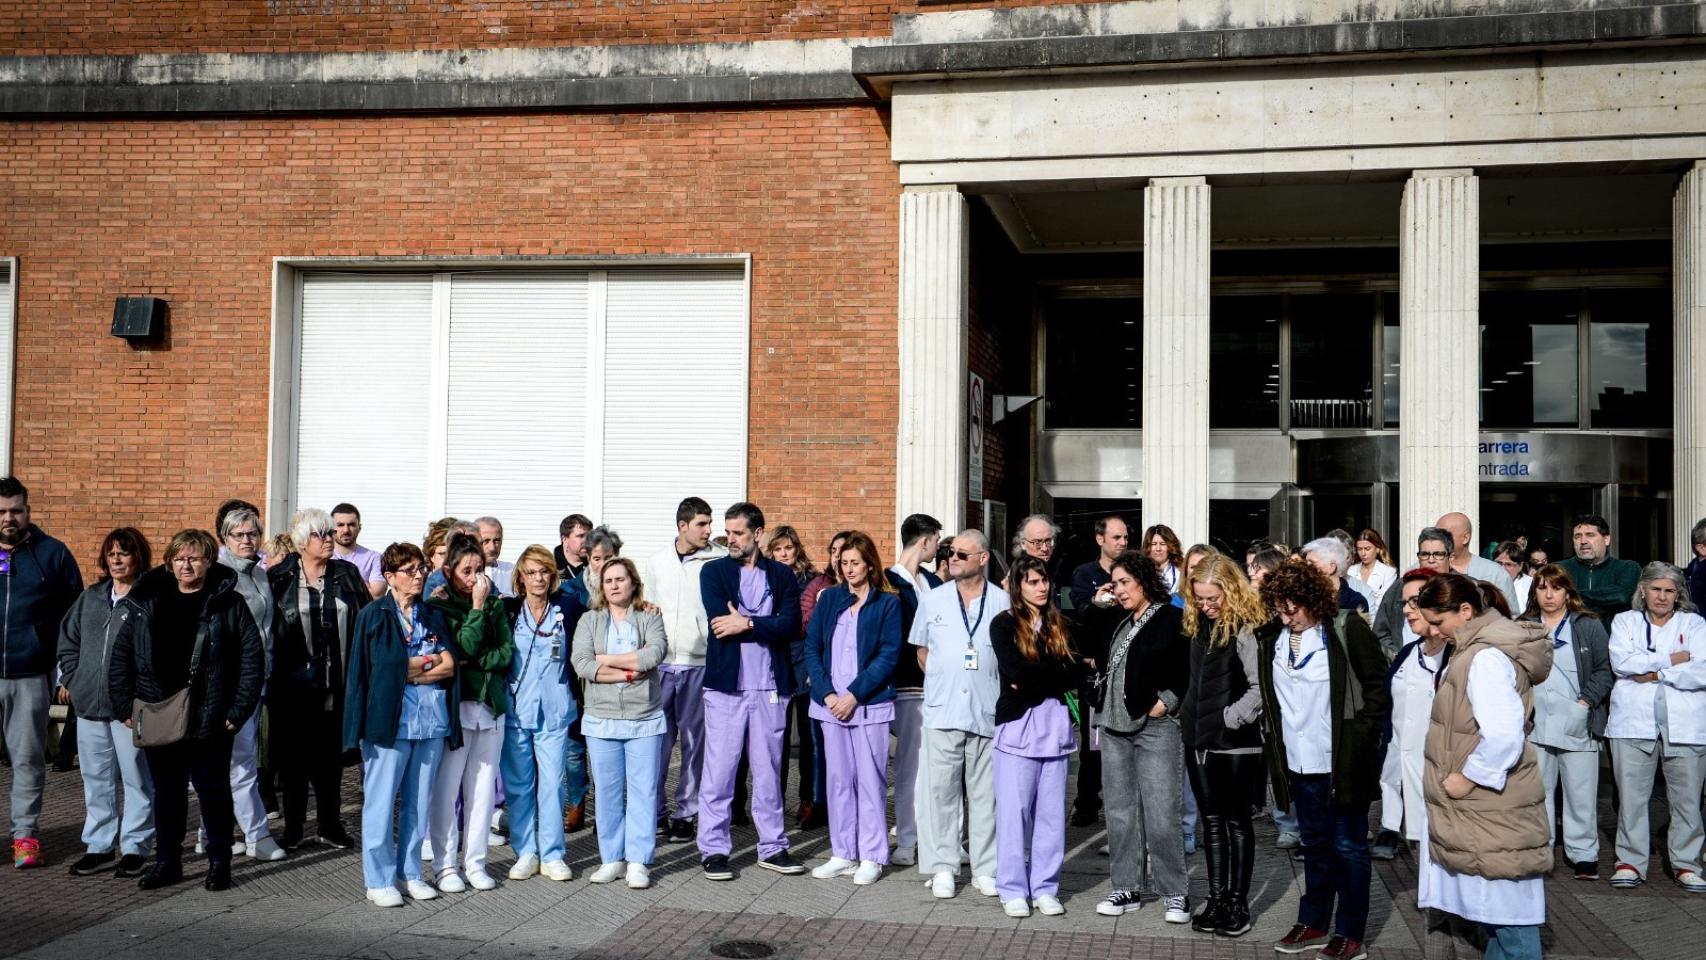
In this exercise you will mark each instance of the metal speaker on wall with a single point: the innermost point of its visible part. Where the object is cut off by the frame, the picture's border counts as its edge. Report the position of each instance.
(139, 319)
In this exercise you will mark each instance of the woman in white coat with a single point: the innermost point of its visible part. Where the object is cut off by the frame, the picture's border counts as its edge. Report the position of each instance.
(1413, 678)
(1658, 718)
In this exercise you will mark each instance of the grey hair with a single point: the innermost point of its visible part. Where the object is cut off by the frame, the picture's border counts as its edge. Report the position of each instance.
(603, 536)
(975, 536)
(489, 522)
(1699, 534)
(306, 522)
(1019, 532)
(1439, 535)
(1660, 570)
(1329, 546)
(237, 516)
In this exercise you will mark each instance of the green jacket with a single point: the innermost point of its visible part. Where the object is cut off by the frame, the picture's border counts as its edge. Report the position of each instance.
(1608, 589)
(484, 647)
(1362, 704)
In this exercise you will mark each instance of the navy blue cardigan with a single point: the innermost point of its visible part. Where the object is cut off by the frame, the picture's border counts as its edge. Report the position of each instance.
(719, 586)
(879, 644)
(379, 670)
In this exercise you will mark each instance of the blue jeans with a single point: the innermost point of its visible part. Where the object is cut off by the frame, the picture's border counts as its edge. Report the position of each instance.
(626, 775)
(1335, 857)
(1512, 943)
(406, 767)
(532, 766)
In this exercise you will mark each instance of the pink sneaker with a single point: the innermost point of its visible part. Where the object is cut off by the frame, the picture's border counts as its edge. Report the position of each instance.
(26, 853)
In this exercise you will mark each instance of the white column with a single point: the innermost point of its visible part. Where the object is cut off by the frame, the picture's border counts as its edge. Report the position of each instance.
(930, 455)
(1175, 355)
(1439, 377)
(1688, 271)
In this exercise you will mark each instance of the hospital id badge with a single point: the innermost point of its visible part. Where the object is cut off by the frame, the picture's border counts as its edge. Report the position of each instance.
(556, 650)
(971, 659)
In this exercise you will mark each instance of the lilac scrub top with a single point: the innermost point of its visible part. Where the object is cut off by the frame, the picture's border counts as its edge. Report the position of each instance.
(843, 669)
(755, 601)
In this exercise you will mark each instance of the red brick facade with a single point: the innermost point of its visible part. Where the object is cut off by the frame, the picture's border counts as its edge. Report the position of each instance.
(195, 211)
(285, 26)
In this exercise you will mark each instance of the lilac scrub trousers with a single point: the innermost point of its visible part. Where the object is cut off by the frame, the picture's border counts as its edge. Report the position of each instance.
(1030, 801)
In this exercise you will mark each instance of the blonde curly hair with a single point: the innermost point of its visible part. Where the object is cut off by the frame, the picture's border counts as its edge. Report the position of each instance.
(1240, 606)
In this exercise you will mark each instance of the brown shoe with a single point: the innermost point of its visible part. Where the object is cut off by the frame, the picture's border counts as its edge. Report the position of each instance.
(804, 813)
(574, 818)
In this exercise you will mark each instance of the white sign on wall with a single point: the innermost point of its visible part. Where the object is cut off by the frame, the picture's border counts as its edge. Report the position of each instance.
(974, 439)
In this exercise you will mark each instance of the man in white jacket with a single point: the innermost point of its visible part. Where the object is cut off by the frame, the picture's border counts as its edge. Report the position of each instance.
(672, 582)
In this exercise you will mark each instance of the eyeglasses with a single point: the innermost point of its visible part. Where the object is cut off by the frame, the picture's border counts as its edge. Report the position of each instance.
(412, 570)
(1431, 554)
(244, 535)
(1044, 542)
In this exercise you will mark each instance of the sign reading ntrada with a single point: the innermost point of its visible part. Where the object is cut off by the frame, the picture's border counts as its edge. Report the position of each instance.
(1504, 458)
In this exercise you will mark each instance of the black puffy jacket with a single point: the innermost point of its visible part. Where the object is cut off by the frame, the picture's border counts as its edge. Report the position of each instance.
(226, 689)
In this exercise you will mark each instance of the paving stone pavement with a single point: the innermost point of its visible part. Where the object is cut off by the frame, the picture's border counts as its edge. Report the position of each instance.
(311, 905)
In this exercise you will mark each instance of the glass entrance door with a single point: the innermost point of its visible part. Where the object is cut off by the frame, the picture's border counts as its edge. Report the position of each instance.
(1542, 512)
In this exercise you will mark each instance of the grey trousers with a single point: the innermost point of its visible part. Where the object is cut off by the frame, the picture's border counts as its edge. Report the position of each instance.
(23, 722)
(1579, 771)
(954, 760)
(1634, 761)
(1141, 774)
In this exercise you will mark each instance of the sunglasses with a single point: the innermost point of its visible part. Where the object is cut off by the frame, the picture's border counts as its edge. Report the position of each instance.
(962, 555)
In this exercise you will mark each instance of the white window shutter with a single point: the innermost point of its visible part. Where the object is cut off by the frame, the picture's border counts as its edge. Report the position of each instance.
(674, 398)
(363, 368)
(516, 411)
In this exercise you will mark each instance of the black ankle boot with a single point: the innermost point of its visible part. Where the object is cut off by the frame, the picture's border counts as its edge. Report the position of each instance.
(218, 875)
(1234, 915)
(1209, 919)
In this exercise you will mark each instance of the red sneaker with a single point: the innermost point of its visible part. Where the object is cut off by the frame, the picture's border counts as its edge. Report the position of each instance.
(1343, 948)
(1301, 938)
(26, 853)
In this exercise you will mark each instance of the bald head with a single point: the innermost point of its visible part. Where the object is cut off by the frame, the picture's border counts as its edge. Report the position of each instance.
(1461, 530)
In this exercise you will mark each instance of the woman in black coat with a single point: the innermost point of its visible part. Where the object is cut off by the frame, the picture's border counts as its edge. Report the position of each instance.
(185, 625)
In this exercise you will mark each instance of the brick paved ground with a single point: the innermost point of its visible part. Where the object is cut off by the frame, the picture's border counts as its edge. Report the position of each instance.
(311, 906)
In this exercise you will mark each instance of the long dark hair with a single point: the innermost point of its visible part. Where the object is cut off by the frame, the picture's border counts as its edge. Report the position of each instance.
(461, 545)
(1552, 575)
(1146, 573)
(1032, 639)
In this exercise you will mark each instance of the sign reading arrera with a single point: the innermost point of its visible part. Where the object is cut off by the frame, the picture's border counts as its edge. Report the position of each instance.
(1503, 459)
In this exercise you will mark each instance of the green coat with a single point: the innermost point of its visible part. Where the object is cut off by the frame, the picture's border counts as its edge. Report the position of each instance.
(484, 648)
(1362, 706)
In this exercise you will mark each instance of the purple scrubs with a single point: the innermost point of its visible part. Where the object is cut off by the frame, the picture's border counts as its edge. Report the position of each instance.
(1030, 801)
(752, 720)
(855, 757)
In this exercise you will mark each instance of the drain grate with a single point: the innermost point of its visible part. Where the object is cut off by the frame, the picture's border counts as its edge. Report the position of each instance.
(743, 949)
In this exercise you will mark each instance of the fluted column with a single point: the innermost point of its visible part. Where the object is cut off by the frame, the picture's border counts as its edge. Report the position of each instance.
(1175, 355)
(1439, 380)
(1688, 272)
(931, 453)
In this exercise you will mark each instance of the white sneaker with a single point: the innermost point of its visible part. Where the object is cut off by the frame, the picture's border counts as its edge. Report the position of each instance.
(904, 856)
(639, 876)
(500, 820)
(984, 885)
(1178, 910)
(266, 848)
(384, 897)
(1048, 906)
(496, 840)
(556, 870)
(607, 872)
(421, 890)
(451, 882)
(525, 867)
(868, 873)
(480, 880)
(1017, 907)
(834, 867)
(201, 846)
(942, 885)
(238, 849)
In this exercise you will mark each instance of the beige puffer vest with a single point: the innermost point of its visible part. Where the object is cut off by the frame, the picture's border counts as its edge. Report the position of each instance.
(1498, 834)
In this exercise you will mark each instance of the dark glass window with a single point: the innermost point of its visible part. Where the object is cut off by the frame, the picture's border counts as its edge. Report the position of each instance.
(1332, 360)
(1391, 347)
(1629, 358)
(1528, 358)
(1094, 373)
(1244, 361)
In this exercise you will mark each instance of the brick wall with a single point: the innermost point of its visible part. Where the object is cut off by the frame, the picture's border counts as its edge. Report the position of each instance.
(161, 26)
(999, 308)
(195, 211)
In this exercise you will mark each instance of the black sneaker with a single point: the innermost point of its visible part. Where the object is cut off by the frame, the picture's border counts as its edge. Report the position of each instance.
(1386, 845)
(681, 831)
(337, 836)
(717, 868)
(218, 876)
(1119, 902)
(132, 865)
(782, 863)
(92, 863)
(160, 875)
(1234, 917)
(1208, 919)
(291, 838)
(1586, 870)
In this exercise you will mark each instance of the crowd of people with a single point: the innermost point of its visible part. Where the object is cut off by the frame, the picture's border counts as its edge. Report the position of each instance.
(1463, 694)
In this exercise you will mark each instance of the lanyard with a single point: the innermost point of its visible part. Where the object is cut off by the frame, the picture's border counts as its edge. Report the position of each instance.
(1291, 654)
(1172, 577)
(520, 675)
(971, 625)
(1681, 636)
(753, 610)
(1444, 658)
(1558, 634)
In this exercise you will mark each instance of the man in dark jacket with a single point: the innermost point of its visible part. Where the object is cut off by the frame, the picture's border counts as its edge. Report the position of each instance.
(41, 580)
(1607, 584)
